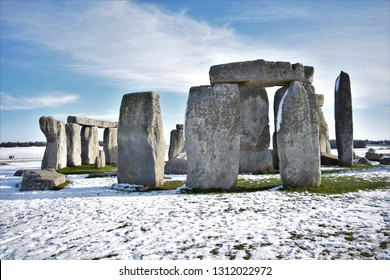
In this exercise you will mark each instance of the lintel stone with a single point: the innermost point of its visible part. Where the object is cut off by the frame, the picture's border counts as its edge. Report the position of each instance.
(261, 73)
(84, 121)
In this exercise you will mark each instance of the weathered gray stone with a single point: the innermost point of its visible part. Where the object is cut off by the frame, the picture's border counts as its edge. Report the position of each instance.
(343, 119)
(176, 145)
(41, 180)
(364, 161)
(385, 160)
(212, 132)
(89, 144)
(329, 159)
(84, 121)
(260, 73)
(177, 165)
(55, 152)
(100, 160)
(141, 148)
(255, 136)
(110, 139)
(323, 126)
(277, 99)
(73, 144)
(372, 155)
(297, 136)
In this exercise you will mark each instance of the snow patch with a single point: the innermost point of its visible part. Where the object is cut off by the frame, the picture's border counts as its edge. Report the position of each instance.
(337, 84)
(280, 113)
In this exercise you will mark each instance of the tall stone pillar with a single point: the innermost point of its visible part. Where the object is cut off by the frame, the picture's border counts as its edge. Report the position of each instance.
(255, 157)
(55, 152)
(141, 147)
(176, 145)
(297, 136)
(324, 131)
(73, 144)
(89, 144)
(212, 132)
(111, 145)
(343, 119)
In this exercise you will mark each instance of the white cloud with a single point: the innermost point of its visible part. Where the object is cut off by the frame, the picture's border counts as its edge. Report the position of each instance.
(48, 100)
(133, 44)
(147, 48)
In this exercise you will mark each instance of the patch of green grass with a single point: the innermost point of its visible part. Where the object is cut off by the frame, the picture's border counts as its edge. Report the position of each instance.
(63, 185)
(244, 185)
(343, 184)
(366, 255)
(383, 245)
(353, 167)
(86, 169)
(168, 185)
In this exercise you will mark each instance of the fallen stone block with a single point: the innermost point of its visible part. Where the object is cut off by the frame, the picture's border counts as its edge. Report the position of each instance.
(329, 159)
(44, 179)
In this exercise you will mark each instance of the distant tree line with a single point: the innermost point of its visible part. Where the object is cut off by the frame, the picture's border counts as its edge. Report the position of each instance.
(28, 144)
(22, 144)
(362, 143)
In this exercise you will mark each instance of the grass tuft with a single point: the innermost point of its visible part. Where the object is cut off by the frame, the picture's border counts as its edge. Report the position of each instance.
(86, 169)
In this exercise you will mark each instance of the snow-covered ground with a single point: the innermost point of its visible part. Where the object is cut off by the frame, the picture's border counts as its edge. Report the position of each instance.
(92, 220)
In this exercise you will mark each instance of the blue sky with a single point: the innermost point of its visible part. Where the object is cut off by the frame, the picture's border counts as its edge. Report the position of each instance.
(79, 57)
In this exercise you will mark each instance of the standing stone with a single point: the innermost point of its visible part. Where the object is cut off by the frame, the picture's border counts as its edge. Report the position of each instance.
(73, 144)
(323, 127)
(212, 132)
(297, 136)
(141, 148)
(110, 147)
(100, 160)
(55, 152)
(277, 99)
(255, 157)
(343, 119)
(176, 145)
(89, 144)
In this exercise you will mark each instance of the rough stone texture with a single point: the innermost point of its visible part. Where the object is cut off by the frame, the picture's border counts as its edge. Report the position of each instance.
(110, 147)
(73, 144)
(141, 148)
(19, 173)
(100, 160)
(323, 126)
(212, 132)
(255, 136)
(372, 155)
(277, 99)
(343, 119)
(260, 73)
(297, 137)
(177, 165)
(89, 144)
(55, 152)
(91, 122)
(176, 145)
(44, 179)
(364, 161)
(329, 159)
(385, 160)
